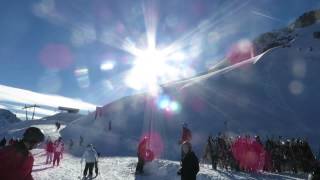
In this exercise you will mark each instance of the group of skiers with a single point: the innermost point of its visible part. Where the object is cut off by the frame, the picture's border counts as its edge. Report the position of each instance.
(90, 156)
(279, 155)
(225, 152)
(54, 149)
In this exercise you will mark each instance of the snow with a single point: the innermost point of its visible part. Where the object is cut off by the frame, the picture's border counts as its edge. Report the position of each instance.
(120, 168)
(47, 124)
(272, 94)
(7, 118)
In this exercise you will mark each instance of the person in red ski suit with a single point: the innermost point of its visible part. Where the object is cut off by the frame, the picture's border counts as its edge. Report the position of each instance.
(16, 160)
(49, 151)
(144, 154)
(58, 149)
(186, 134)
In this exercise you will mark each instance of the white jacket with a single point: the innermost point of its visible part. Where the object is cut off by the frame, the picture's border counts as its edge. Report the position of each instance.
(90, 155)
(58, 146)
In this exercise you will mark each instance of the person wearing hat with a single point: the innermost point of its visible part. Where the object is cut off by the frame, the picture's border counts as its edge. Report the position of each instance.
(17, 160)
(90, 156)
(190, 163)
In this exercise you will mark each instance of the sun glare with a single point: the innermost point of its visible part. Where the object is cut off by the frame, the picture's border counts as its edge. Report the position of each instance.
(151, 67)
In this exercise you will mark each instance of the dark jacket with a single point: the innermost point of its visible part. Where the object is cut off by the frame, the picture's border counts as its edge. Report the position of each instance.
(16, 162)
(3, 142)
(190, 167)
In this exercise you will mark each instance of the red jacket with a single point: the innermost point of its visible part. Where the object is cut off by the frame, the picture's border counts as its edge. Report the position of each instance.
(186, 135)
(144, 152)
(50, 147)
(16, 162)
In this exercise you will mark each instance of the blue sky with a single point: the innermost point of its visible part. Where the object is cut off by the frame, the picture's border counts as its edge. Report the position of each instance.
(59, 46)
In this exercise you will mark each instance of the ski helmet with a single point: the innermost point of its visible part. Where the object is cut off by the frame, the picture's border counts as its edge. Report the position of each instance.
(34, 135)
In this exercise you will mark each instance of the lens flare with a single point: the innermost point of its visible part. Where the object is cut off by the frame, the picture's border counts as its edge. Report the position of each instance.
(240, 51)
(56, 56)
(106, 66)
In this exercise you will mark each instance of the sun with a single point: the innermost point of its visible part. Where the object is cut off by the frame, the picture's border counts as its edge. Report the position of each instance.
(151, 67)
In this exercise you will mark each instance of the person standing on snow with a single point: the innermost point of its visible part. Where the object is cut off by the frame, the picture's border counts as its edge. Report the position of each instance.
(190, 163)
(81, 141)
(11, 141)
(3, 142)
(144, 154)
(186, 134)
(70, 144)
(58, 125)
(16, 160)
(90, 156)
(49, 151)
(58, 149)
(185, 137)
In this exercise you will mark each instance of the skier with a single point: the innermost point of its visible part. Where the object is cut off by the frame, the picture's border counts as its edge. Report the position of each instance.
(212, 152)
(144, 154)
(186, 134)
(70, 144)
(58, 149)
(185, 137)
(90, 156)
(11, 141)
(16, 160)
(49, 151)
(109, 126)
(3, 142)
(58, 125)
(81, 141)
(190, 163)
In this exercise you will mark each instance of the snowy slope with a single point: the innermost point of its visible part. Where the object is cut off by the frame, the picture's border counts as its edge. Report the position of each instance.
(278, 95)
(47, 124)
(120, 168)
(7, 117)
(63, 117)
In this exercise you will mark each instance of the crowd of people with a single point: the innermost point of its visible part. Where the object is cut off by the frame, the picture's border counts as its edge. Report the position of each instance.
(242, 153)
(11, 141)
(275, 155)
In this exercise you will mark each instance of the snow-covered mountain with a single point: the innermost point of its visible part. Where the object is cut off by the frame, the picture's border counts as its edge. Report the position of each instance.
(63, 117)
(7, 117)
(47, 124)
(273, 94)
